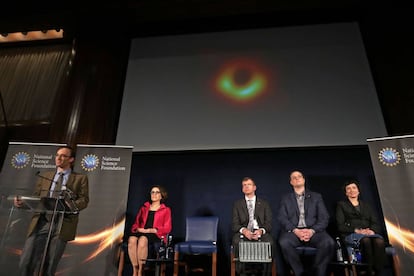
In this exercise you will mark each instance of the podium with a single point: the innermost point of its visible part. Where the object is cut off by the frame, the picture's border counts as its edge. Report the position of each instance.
(14, 223)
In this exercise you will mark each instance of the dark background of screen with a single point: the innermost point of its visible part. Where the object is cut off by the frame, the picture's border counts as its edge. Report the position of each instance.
(321, 91)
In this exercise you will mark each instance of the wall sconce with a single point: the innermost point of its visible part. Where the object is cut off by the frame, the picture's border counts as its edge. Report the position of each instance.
(31, 36)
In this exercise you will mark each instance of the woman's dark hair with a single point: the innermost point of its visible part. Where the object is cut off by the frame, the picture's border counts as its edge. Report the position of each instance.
(351, 181)
(163, 191)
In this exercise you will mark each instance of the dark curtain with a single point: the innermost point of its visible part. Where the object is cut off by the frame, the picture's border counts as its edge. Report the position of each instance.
(30, 80)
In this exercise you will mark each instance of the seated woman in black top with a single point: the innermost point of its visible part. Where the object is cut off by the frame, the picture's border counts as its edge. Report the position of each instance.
(357, 223)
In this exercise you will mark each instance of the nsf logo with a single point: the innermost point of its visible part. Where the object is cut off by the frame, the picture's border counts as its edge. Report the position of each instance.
(90, 162)
(389, 157)
(20, 160)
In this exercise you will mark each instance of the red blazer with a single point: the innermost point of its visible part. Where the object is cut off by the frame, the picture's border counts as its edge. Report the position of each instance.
(162, 220)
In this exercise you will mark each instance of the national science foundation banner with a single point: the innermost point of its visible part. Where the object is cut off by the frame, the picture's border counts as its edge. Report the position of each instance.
(393, 163)
(101, 224)
(20, 171)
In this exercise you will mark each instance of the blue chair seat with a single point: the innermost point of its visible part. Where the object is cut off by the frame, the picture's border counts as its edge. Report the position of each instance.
(390, 250)
(306, 250)
(200, 239)
(196, 247)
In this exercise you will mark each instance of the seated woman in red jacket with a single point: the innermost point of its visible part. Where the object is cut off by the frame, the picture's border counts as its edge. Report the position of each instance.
(152, 222)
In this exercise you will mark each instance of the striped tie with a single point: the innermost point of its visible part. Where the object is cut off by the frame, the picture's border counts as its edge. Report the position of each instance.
(250, 208)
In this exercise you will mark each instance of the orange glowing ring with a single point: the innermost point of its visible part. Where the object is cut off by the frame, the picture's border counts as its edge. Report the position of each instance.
(241, 80)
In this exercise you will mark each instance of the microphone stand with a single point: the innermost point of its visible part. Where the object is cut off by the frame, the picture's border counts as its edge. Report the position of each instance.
(5, 234)
(52, 221)
(51, 226)
(64, 190)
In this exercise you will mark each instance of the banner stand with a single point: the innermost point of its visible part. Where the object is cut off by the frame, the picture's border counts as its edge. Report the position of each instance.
(393, 163)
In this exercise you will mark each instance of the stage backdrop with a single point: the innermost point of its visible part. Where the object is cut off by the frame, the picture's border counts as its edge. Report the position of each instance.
(393, 163)
(101, 224)
(208, 182)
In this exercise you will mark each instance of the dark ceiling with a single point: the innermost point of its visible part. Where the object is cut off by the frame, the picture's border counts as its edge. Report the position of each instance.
(157, 17)
(386, 30)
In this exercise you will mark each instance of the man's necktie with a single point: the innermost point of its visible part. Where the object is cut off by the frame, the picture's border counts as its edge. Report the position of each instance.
(250, 208)
(58, 186)
(55, 194)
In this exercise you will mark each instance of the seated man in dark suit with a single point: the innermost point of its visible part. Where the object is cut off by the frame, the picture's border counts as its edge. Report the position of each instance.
(252, 217)
(304, 218)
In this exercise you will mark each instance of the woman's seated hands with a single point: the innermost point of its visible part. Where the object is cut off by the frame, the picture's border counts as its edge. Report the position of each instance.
(364, 231)
(147, 230)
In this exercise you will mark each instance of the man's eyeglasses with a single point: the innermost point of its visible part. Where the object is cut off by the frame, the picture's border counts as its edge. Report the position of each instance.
(155, 192)
(62, 156)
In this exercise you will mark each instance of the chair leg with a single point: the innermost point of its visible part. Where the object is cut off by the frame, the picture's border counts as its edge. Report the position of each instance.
(346, 271)
(163, 268)
(232, 265)
(214, 264)
(354, 271)
(176, 265)
(273, 267)
(396, 265)
(121, 262)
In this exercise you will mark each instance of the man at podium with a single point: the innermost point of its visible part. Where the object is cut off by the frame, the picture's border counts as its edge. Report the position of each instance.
(49, 231)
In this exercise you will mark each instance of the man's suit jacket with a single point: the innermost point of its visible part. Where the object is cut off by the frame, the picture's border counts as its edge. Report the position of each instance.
(262, 213)
(316, 215)
(78, 184)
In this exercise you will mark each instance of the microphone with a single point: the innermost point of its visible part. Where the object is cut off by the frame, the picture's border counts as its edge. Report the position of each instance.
(44, 177)
(64, 191)
(53, 181)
